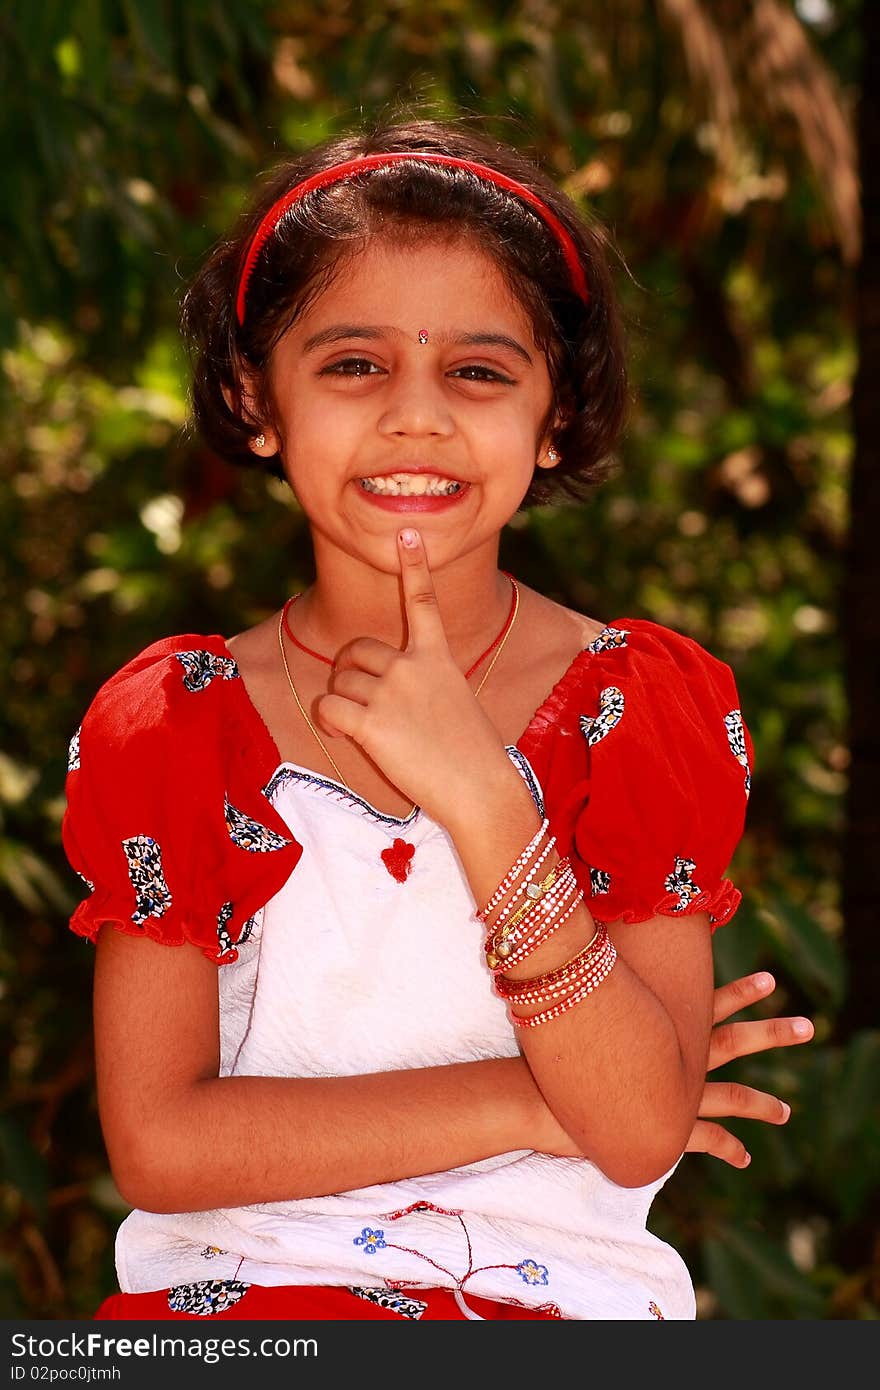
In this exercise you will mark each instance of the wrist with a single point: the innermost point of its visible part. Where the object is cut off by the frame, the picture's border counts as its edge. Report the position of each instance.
(496, 795)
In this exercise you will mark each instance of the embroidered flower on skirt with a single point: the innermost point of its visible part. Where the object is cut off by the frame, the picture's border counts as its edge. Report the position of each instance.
(532, 1273)
(370, 1240)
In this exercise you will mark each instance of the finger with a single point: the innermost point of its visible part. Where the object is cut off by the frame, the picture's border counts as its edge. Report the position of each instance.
(341, 718)
(353, 684)
(729, 1100)
(730, 1040)
(708, 1138)
(424, 623)
(739, 994)
(366, 654)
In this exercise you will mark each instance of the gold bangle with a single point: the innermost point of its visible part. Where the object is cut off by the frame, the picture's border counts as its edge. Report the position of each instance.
(511, 988)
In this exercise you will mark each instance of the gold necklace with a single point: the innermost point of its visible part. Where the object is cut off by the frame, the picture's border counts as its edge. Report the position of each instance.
(305, 716)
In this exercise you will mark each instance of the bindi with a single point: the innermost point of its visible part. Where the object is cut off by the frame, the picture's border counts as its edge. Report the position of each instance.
(423, 336)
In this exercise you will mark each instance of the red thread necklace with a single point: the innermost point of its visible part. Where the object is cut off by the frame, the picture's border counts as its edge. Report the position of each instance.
(397, 859)
(329, 662)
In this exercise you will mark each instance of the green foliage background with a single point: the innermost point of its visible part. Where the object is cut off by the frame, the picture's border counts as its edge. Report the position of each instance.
(133, 129)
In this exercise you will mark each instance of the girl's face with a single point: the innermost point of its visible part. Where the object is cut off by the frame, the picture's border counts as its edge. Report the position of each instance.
(358, 393)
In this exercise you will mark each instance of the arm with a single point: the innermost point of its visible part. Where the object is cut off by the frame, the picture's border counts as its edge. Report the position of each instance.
(624, 1070)
(181, 1138)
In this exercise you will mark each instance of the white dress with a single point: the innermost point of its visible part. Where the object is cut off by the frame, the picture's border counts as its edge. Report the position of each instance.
(333, 981)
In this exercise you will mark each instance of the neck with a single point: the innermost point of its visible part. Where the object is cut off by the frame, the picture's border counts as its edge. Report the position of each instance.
(473, 596)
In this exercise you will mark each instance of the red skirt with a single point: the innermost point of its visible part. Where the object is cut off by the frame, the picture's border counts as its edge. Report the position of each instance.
(228, 1299)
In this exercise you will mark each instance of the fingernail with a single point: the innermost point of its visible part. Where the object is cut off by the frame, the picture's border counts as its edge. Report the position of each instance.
(409, 538)
(802, 1027)
(747, 1160)
(787, 1110)
(763, 981)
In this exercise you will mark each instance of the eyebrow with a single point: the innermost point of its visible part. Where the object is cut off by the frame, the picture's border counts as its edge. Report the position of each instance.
(337, 331)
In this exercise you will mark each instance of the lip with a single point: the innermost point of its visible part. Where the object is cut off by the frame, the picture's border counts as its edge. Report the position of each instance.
(414, 504)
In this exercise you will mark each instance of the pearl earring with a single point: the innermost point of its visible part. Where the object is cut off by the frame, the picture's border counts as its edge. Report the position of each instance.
(552, 455)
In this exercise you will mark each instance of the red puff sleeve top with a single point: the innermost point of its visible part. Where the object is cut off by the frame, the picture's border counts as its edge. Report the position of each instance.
(166, 821)
(639, 757)
(645, 761)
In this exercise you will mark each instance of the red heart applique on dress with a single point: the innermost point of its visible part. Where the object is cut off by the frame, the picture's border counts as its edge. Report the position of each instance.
(398, 859)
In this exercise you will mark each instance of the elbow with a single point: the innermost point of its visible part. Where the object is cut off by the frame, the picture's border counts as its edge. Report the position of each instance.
(639, 1169)
(634, 1160)
(139, 1188)
(144, 1177)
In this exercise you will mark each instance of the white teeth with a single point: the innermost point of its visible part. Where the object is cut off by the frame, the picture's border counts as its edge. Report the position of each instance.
(411, 485)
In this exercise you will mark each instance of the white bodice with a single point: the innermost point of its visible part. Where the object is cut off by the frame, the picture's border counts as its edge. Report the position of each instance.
(347, 971)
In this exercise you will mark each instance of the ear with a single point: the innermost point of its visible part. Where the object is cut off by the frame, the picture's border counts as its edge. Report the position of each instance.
(548, 452)
(246, 409)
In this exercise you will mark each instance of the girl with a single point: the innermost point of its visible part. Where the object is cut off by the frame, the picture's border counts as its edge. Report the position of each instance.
(458, 850)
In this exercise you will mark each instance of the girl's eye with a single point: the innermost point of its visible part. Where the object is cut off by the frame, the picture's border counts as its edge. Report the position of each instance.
(351, 366)
(355, 367)
(487, 374)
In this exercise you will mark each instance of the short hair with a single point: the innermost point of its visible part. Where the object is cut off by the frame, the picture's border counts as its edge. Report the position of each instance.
(583, 343)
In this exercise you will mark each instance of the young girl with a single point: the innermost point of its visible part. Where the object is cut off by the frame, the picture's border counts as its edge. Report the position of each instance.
(457, 850)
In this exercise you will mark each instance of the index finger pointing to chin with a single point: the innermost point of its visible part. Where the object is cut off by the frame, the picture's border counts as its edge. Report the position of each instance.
(424, 623)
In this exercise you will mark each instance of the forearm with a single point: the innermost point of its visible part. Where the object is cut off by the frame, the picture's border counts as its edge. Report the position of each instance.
(237, 1140)
(612, 1068)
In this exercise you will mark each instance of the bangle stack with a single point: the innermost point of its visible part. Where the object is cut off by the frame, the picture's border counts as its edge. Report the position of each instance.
(529, 911)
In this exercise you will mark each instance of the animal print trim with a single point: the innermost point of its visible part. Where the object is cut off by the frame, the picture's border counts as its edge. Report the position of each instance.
(394, 1302)
(206, 1299)
(202, 667)
(153, 897)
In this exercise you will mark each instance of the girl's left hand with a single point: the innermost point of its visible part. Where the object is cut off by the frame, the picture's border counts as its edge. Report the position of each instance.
(726, 1100)
(412, 711)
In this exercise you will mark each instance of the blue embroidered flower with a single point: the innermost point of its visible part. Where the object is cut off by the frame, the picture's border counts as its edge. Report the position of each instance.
(370, 1240)
(531, 1272)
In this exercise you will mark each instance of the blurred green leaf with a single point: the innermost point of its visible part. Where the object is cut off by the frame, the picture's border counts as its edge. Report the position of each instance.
(754, 1279)
(799, 941)
(23, 1168)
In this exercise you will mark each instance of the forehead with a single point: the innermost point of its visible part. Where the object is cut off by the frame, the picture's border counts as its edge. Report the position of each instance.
(439, 281)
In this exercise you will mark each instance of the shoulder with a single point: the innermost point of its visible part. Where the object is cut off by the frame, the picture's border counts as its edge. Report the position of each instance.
(661, 660)
(164, 687)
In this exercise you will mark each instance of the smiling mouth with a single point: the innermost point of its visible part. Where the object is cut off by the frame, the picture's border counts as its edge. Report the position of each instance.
(416, 486)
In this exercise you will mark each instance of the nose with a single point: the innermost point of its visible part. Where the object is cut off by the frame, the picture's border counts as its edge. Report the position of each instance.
(415, 405)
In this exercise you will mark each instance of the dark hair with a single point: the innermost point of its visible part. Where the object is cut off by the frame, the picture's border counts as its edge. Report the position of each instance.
(583, 343)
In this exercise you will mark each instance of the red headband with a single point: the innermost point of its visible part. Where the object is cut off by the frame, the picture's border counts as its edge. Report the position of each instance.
(374, 161)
